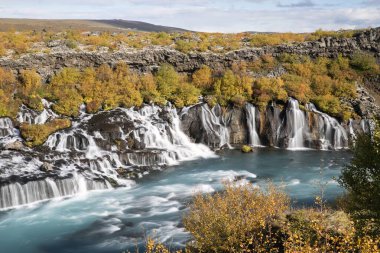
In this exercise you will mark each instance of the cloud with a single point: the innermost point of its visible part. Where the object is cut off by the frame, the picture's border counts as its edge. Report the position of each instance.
(371, 3)
(208, 15)
(306, 3)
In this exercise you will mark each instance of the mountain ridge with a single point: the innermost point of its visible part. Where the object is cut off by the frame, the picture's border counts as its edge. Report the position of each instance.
(112, 25)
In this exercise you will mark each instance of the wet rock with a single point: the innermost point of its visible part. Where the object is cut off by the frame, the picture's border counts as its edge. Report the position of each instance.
(237, 126)
(17, 145)
(47, 167)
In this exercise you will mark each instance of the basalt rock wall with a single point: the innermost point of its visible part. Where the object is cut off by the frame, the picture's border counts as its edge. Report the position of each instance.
(150, 58)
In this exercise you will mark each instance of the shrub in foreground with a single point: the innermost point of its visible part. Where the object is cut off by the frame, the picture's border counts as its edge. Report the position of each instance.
(239, 219)
(244, 218)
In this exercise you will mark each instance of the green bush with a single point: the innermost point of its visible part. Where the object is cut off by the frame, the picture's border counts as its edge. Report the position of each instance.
(364, 62)
(361, 180)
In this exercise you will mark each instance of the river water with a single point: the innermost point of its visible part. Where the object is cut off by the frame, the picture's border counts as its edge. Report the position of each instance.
(121, 219)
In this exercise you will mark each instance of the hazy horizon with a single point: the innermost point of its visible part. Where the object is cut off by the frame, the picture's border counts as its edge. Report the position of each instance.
(210, 15)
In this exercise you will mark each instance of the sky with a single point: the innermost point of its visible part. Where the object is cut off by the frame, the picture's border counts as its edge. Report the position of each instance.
(210, 15)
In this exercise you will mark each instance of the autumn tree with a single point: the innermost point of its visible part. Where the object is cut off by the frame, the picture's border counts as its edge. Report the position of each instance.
(148, 89)
(167, 80)
(202, 78)
(92, 90)
(269, 89)
(30, 90)
(63, 90)
(8, 104)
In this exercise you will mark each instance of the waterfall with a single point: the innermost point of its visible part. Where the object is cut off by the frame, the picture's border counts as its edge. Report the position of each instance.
(254, 139)
(367, 125)
(296, 125)
(351, 130)
(16, 194)
(8, 133)
(71, 141)
(215, 126)
(154, 133)
(30, 116)
(331, 132)
(6, 127)
(116, 145)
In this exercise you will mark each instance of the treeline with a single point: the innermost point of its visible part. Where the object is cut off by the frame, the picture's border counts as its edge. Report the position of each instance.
(23, 42)
(322, 81)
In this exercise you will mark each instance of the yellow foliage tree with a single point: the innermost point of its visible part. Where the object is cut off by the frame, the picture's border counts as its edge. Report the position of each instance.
(235, 220)
(167, 80)
(202, 78)
(31, 88)
(63, 90)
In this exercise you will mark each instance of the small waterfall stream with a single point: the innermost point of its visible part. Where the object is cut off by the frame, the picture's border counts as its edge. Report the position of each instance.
(6, 127)
(296, 125)
(156, 134)
(332, 133)
(215, 126)
(252, 111)
(30, 116)
(17, 194)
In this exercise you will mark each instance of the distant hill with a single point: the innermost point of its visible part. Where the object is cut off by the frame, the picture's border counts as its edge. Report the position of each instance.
(113, 25)
(137, 25)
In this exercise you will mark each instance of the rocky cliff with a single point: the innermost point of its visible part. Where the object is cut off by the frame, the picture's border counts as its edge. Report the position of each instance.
(150, 58)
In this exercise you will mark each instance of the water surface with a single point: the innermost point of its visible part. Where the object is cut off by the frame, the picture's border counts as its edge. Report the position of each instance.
(115, 220)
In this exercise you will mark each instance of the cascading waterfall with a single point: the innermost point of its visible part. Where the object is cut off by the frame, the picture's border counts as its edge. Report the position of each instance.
(254, 139)
(215, 126)
(296, 125)
(8, 133)
(30, 116)
(331, 132)
(367, 125)
(156, 134)
(115, 146)
(77, 149)
(17, 194)
(6, 127)
(68, 141)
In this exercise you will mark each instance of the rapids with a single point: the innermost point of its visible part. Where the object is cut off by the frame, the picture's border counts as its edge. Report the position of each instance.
(120, 219)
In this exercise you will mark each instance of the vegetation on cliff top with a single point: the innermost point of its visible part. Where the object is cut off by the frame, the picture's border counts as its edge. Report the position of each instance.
(23, 42)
